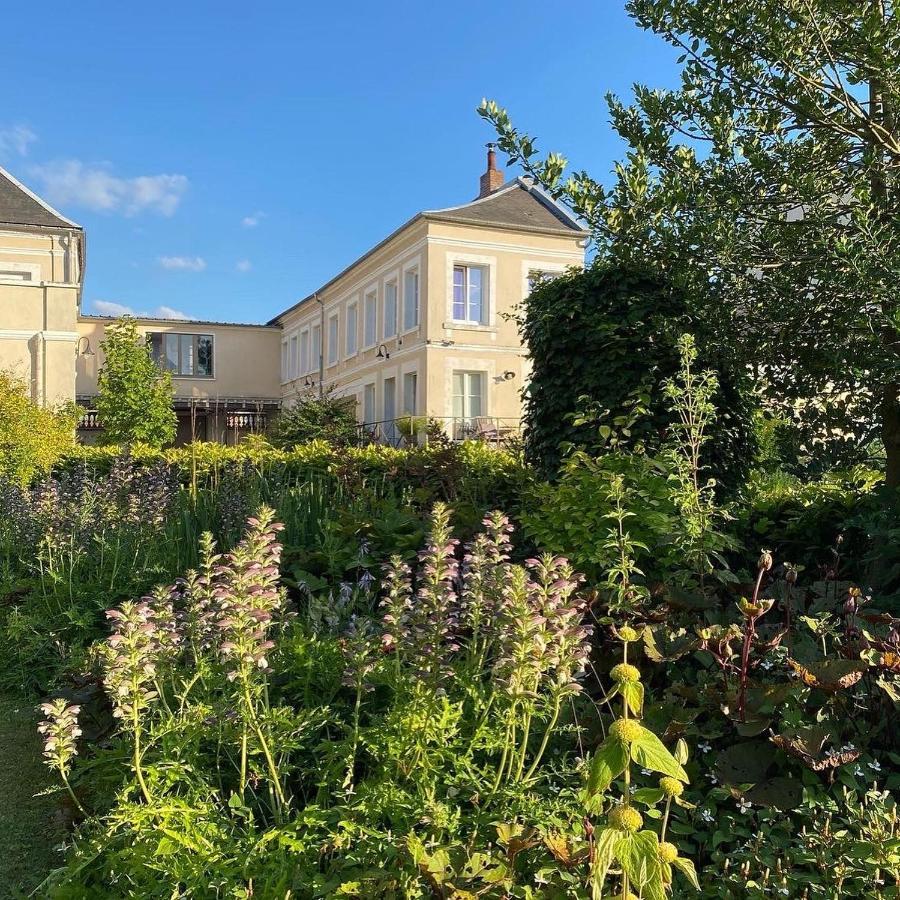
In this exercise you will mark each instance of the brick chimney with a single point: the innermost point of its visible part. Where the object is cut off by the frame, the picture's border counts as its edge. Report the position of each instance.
(493, 177)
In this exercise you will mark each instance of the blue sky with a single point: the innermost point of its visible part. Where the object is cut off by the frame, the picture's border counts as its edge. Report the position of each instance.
(228, 158)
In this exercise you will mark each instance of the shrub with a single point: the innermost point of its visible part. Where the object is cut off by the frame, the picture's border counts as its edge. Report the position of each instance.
(32, 437)
(604, 340)
(317, 418)
(135, 396)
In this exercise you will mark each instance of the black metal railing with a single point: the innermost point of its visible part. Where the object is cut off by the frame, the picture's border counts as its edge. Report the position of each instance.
(407, 431)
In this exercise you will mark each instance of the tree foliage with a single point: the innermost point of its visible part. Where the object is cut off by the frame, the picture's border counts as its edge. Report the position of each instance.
(602, 344)
(32, 437)
(135, 396)
(317, 418)
(766, 187)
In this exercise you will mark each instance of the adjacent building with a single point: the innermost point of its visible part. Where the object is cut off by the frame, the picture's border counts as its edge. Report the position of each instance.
(419, 326)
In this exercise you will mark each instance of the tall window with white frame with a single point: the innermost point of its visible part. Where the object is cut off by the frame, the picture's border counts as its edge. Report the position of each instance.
(352, 343)
(370, 319)
(410, 299)
(333, 339)
(294, 359)
(304, 352)
(410, 389)
(389, 410)
(468, 400)
(316, 347)
(369, 404)
(184, 355)
(389, 329)
(469, 294)
(284, 362)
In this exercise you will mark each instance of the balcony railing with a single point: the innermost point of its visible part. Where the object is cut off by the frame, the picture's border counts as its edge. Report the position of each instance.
(417, 430)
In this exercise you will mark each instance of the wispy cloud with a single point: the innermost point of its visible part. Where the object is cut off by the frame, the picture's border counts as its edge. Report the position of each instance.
(253, 219)
(111, 308)
(15, 140)
(183, 263)
(95, 187)
(244, 265)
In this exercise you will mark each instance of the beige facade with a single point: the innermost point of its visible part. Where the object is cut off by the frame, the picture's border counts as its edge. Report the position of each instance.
(41, 268)
(419, 326)
(229, 388)
(398, 333)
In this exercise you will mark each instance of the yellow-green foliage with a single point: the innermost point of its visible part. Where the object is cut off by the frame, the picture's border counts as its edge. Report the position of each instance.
(452, 470)
(32, 437)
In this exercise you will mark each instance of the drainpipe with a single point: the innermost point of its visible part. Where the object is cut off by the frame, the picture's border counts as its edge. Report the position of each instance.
(321, 344)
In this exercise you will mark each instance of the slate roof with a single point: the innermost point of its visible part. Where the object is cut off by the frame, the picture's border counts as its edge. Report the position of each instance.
(19, 206)
(518, 204)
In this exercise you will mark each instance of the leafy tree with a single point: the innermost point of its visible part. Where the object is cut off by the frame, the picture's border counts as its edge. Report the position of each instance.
(32, 437)
(617, 327)
(135, 396)
(314, 418)
(766, 187)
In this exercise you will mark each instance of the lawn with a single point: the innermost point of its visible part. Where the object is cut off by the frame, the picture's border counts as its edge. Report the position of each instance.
(32, 824)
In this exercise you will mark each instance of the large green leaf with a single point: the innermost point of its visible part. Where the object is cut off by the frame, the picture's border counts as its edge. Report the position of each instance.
(638, 855)
(608, 763)
(651, 753)
(687, 868)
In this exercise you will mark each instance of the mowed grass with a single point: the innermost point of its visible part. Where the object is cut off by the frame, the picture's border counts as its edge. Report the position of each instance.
(31, 827)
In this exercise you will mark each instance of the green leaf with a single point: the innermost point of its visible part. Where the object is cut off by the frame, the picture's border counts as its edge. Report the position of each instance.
(650, 796)
(633, 694)
(608, 763)
(638, 855)
(651, 753)
(686, 867)
(604, 853)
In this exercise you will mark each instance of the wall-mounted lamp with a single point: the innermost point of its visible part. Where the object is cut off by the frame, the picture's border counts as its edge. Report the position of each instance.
(83, 342)
(308, 382)
(382, 353)
(508, 376)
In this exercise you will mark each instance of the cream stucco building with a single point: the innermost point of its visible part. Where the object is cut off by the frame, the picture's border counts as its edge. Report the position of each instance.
(418, 326)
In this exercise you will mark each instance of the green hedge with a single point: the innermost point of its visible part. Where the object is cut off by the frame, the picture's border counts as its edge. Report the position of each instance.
(469, 469)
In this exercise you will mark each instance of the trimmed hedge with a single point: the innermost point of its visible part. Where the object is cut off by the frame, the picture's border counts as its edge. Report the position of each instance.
(470, 469)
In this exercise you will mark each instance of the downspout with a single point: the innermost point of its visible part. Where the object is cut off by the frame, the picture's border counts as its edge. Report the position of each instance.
(321, 344)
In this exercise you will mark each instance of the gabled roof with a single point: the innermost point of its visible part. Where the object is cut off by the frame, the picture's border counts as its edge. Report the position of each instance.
(19, 206)
(520, 204)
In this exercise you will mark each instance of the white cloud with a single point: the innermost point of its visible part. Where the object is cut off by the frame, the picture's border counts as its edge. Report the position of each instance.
(94, 187)
(244, 265)
(183, 263)
(253, 219)
(111, 308)
(15, 140)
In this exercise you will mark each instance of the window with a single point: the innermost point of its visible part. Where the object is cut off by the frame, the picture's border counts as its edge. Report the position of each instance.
(468, 294)
(184, 355)
(410, 299)
(304, 353)
(370, 316)
(537, 277)
(332, 340)
(468, 395)
(294, 361)
(409, 393)
(369, 404)
(15, 275)
(390, 410)
(316, 347)
(284, 361)
(352, 330)
(390, 309)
